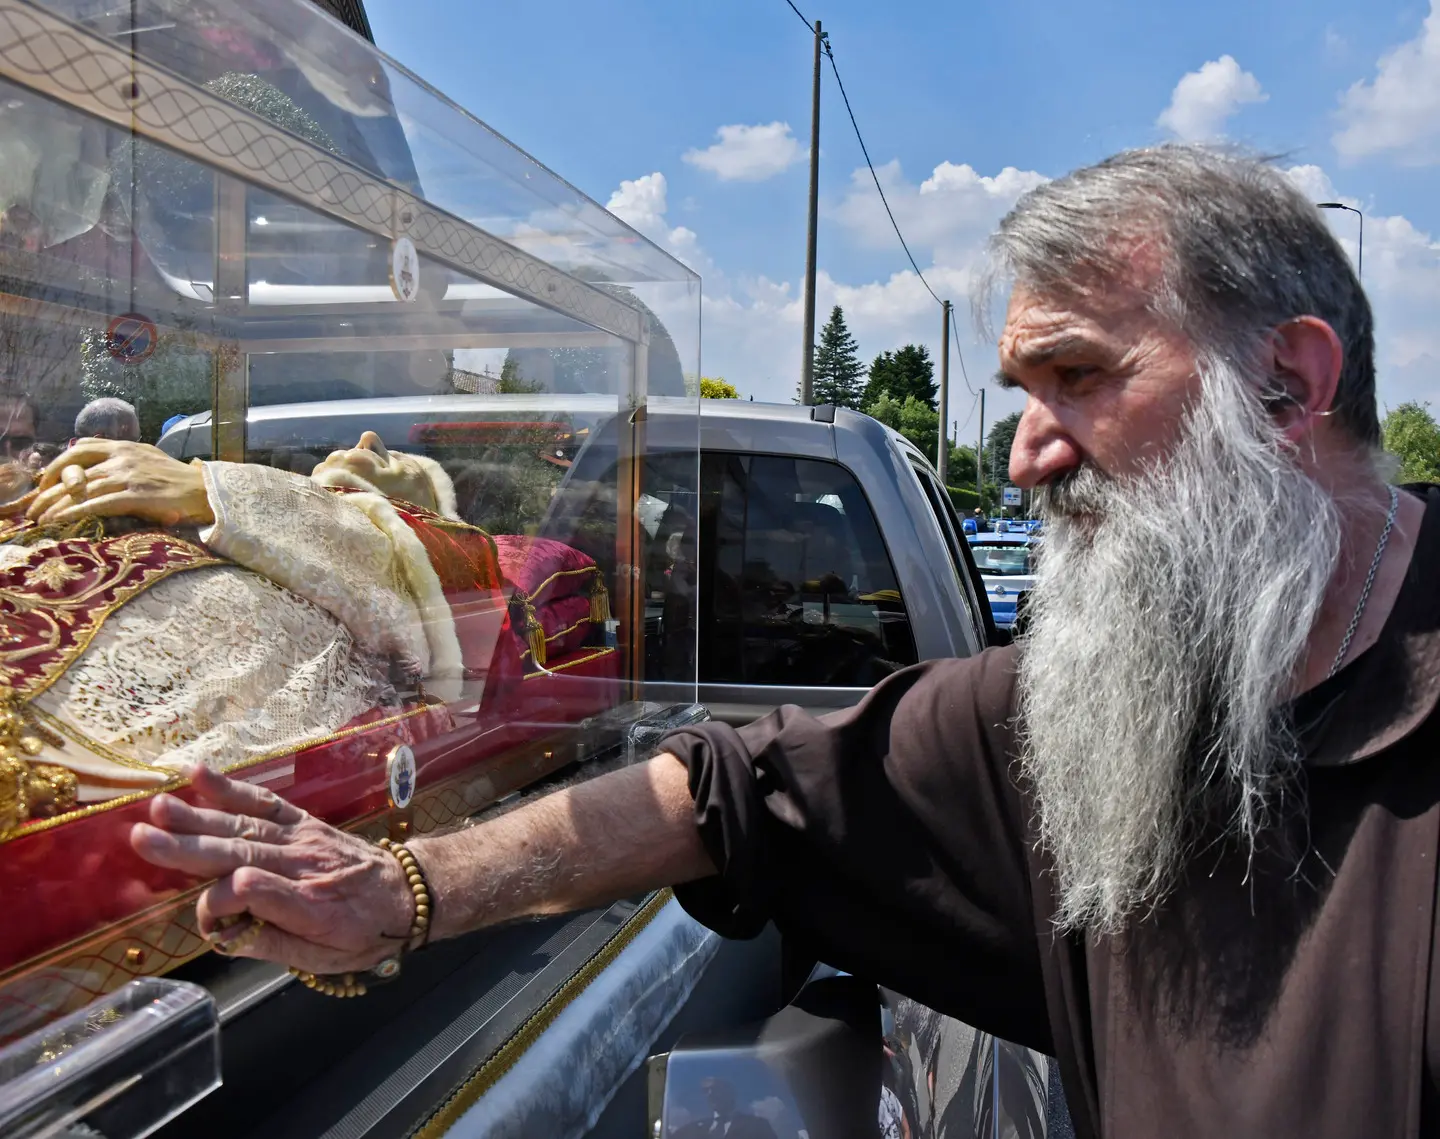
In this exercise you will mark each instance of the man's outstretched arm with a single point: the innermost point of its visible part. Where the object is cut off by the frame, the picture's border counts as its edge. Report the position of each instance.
(332, 902)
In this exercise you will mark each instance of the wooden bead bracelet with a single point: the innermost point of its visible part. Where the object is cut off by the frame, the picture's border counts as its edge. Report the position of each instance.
(351, 984)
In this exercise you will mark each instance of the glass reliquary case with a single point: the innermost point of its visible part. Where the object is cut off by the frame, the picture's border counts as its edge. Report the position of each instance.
(323, 420)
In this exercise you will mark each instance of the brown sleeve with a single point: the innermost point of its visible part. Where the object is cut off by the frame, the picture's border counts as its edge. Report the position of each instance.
(889, 839)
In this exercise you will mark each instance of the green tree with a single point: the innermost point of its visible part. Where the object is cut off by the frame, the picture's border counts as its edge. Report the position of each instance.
(176, 379)
(717, 388)
(838, 371)
(905, 372)
(962, 466)
(912, 418)
(512, 382)
(1412, 436)
(997, 447)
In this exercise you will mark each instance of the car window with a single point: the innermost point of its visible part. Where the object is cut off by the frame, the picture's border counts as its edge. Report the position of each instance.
(1002, 560)
(797, 587)
(963, 566)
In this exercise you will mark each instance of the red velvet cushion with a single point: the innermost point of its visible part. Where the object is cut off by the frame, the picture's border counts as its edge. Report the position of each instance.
(567, 624)
(544, 569)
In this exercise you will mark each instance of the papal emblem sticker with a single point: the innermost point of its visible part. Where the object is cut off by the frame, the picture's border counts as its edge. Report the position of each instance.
(400, 767)
(404, 269)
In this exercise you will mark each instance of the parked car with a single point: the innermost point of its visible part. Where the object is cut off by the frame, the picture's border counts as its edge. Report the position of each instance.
(1005, 561)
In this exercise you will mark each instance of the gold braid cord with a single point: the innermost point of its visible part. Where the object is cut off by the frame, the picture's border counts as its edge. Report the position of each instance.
(29, 790)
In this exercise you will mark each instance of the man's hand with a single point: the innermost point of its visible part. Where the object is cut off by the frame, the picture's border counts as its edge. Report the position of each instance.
(331, 902)
(105, 478)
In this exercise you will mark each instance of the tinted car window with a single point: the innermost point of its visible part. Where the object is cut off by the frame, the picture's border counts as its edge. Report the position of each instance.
(797, 588)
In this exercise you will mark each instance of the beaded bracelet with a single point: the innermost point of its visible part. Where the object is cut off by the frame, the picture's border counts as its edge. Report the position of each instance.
(351, 985)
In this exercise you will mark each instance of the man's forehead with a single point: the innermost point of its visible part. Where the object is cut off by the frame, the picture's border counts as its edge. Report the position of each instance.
(1041, 326)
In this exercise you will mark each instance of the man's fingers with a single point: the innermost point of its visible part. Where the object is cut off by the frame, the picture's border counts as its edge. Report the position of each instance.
(277, 900)
(48, 499)
(241, 798)
(178, 817)
(208, 856)
(271, 943)
(116, 504)
(85, 453)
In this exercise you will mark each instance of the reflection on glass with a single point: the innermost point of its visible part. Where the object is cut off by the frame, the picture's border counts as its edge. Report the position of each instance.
(264, 510)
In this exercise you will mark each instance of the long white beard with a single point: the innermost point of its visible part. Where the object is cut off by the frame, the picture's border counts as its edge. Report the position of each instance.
(1169, 617)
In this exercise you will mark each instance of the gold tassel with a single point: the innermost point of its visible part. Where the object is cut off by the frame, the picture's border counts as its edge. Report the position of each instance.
(29, 790)
(599, 601)
(534, 632)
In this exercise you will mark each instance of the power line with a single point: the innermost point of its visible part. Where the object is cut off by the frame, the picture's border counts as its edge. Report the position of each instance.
(808, 25)
(974, 403)
(830, 55)
(875, 177)
(960, 356)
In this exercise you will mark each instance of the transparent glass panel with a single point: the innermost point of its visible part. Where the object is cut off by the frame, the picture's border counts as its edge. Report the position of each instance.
(331, 425)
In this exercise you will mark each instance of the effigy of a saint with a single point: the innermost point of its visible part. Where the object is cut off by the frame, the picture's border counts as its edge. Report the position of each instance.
(343, 639)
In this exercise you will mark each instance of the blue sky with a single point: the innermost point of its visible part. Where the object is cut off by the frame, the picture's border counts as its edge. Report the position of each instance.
(667, 112)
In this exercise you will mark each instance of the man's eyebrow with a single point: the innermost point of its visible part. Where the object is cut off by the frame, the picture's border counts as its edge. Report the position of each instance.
(1036, 355)
(1003, 379)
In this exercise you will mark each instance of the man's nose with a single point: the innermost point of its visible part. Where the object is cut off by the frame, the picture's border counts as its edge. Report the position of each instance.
(1041, 449)
(369, 441)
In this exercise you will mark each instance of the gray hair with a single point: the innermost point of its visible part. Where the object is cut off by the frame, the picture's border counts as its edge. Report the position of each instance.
(108, 418)
(1242, 251)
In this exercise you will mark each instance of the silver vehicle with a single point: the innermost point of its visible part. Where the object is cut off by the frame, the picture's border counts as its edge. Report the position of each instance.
(827, 556)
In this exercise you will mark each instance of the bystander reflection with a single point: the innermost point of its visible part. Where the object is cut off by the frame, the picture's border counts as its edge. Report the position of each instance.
(108, 418)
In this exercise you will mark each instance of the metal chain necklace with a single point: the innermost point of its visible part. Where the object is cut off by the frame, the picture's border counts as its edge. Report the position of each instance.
(1369, 584)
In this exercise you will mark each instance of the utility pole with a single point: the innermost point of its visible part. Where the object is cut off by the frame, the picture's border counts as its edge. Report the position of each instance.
(942, 460)
(807, 358)
(979, 453)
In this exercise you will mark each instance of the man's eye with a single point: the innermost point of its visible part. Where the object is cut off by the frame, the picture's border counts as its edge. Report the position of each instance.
(1074, 373)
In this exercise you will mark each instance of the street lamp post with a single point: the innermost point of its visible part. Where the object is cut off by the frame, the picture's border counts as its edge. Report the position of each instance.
(1360, 247)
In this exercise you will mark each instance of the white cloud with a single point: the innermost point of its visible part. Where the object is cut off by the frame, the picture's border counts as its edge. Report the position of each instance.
(1402, 279)
(1203, 101)
(642, 204)
(1398, 112)
(752, 325)
(951, 211)
(749, 153)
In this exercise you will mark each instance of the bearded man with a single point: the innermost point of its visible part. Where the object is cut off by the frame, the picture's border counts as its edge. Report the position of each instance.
(1183, 835)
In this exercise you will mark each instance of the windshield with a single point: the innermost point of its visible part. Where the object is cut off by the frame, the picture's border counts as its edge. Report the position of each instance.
(1002, 561)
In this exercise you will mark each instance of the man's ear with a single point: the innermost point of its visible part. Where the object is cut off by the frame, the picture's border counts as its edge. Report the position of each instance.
(1306, 360)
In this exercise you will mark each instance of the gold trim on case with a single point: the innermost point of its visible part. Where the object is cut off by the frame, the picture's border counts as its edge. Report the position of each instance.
(488, 1074)
(177, 782)
(572, 664)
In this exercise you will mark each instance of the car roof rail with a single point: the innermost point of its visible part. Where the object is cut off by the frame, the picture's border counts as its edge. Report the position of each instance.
(823, 413)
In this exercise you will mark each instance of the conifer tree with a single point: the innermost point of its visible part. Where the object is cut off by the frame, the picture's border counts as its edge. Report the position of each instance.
(838, 373)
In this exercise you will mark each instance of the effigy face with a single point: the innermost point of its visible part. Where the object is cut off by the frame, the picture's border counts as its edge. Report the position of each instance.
(304, 477)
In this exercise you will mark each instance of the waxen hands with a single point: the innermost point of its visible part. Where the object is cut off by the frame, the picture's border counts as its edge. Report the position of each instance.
(330, 902)
(106, 478)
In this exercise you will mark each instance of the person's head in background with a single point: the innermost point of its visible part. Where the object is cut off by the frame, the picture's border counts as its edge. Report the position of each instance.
(108, 418)
(40, 456)
(17, 425)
